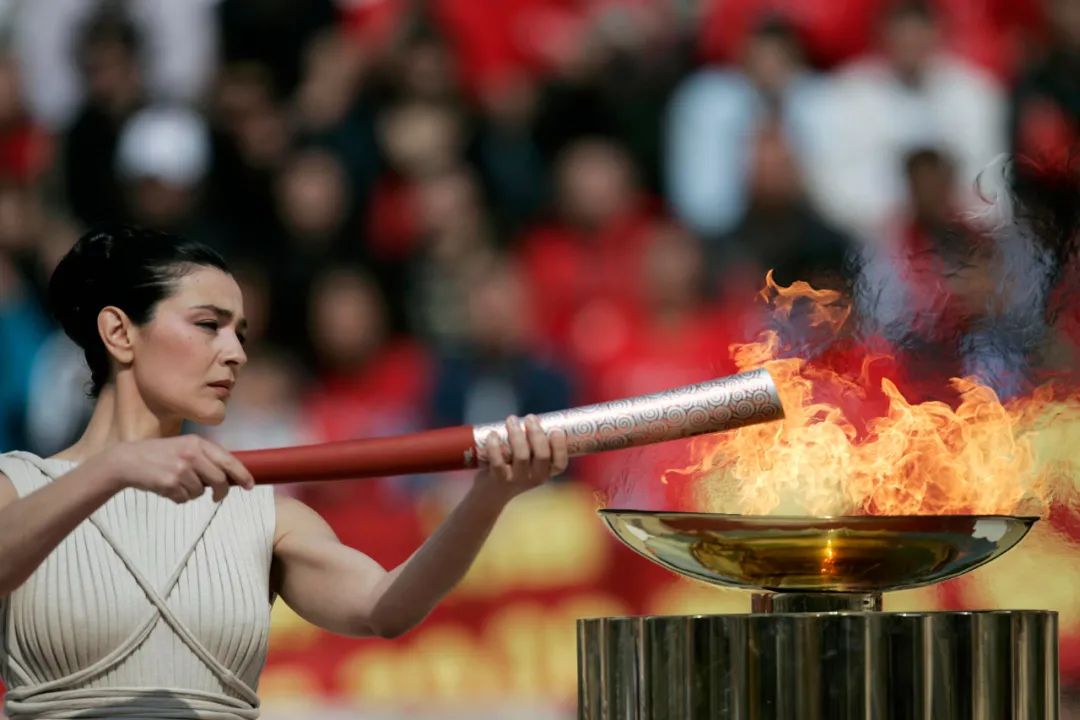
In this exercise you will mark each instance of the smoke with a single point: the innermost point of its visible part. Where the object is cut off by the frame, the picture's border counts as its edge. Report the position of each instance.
(975, 318)
(1003, 343)
(981, 299)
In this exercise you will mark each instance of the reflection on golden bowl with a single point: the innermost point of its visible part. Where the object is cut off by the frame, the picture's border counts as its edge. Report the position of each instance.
(817, 554)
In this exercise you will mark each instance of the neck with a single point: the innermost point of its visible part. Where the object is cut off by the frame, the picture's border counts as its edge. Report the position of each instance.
(121, 414)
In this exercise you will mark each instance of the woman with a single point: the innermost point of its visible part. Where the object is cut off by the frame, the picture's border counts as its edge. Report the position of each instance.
(127, 590)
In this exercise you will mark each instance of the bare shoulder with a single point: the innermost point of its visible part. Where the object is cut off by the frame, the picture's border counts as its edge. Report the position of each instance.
(8, 494)
(295, 517)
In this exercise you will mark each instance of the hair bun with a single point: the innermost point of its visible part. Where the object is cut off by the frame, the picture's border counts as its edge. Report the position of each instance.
(76, 287)
(129, 268)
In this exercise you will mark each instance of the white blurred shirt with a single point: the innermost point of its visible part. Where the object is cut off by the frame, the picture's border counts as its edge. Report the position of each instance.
(872, 121)
(709, 140)
(180, 46)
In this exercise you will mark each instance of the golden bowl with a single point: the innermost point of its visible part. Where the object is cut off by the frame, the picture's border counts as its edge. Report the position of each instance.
(869, 554)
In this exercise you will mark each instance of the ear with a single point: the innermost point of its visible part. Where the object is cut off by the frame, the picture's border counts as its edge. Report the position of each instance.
(117, 332)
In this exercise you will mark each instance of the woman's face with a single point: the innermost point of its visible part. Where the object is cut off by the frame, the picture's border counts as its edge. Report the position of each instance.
(187, 357)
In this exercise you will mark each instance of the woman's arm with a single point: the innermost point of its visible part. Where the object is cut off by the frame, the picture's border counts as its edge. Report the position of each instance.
(32, 527)
(344, 591)
(179, 468)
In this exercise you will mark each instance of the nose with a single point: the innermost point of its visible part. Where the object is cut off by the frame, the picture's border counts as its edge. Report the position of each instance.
(234, 355)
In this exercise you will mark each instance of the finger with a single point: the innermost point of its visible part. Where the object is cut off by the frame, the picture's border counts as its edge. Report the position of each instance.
(212, 476)
(189, 483)
(540, 447)
(220, 490)
(175, 491)
(519, 447)
(234, 469)
(560, 454)
(496, 459)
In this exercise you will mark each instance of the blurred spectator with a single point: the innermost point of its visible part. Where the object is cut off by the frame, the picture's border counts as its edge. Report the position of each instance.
(937, 287)
(176, 53)
(334, 106)
(418, 139)
(107, 52)
(162, 158)
(487, 40)
(493, 373)
(422, 67)
(715, 116)
(577, 68)
(250, 137)
(25, 148)
(680, 338)
(314, 200)
(832, 30)
(316, 227)
(22, 222)
(609, 70)
(255, 281)
(577, 264)
(58, 379)
(914, 95)
(498, 42)
(931, 220)
(369, 382)
(1045, 128)
(32, 233)
(1045, 122)
(508, 155)
(987, 32)
(995, 34)
(457, 248)
(595, 87)
(273, 34)
(780, 230)
(23, 328)
(906, 275)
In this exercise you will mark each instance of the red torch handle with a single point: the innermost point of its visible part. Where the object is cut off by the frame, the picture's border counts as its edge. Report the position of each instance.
(720, 404)
(423, 452)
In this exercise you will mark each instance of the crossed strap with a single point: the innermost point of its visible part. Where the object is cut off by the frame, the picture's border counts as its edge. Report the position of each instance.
(57, 699)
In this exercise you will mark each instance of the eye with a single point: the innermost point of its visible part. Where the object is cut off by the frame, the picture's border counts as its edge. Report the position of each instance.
(211, 325)
(242, 338)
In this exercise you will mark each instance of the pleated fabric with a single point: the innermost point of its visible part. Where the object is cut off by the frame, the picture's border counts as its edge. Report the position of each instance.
(148, 609)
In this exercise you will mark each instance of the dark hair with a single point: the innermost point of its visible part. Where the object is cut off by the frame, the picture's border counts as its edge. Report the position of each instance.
(109, 25)
(926, 158)
(776, 26)
(126, 267)
(1047, 193)
(909, 10)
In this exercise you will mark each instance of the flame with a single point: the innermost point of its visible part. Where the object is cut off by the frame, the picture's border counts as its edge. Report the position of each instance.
(977, 455)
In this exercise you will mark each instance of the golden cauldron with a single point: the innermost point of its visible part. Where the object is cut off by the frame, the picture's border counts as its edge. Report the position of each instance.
(816, 644)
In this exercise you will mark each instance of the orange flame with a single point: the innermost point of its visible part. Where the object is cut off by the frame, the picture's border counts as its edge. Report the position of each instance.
(981, 456)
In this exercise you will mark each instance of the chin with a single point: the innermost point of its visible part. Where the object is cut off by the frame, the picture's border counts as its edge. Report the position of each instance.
(208, 416)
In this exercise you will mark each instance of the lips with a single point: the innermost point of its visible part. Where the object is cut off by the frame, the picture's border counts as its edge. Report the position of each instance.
(224, 385)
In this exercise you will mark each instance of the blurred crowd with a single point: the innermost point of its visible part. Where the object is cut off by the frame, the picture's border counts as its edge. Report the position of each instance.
(448, 211)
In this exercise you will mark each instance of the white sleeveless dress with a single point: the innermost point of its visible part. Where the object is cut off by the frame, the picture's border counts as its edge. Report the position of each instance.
(147, 610)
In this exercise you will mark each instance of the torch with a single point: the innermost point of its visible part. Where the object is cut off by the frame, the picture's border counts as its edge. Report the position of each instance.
(720, 404)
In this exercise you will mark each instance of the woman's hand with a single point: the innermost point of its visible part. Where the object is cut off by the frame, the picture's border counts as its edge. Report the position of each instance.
(178, 468)
(534, 457)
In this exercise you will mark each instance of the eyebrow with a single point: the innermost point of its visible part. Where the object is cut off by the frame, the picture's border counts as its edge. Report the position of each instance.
(223, 314)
